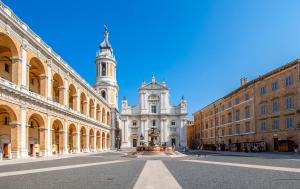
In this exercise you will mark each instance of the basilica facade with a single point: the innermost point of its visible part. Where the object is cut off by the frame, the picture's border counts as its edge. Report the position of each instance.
(46, 108)
(153, 121)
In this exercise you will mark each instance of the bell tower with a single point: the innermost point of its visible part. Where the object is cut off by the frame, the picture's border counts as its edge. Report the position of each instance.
(106, 82)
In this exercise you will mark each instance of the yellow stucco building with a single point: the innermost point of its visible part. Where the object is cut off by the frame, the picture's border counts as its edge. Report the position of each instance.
(46, 108)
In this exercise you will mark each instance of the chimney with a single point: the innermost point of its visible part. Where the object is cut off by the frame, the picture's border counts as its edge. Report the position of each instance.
(244, 80)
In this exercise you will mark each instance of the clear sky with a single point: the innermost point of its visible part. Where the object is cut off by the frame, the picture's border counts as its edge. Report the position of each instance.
(201, 48)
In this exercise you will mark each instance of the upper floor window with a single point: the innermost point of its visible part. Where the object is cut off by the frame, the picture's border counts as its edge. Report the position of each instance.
(173, 123)
(237, 129)
(134, 123)
(229, 117)
(223, 119)
(275, 124)
(247, 112)
(216, 121)
(247, 127)
(275, 106)
(153, 109)
(153, 123)
(247, 96)
(289, 122)
(263, 126)
(230, 131)
(222, 107)
(237, 100)
(263, 90)
(6, 120)
(206, 125)
(211, 123)
(103, 69)
(288, 81)
(103, 94)
(237, 115)
(289, 103)
(263, 109)
(274, 86)
(229, 104)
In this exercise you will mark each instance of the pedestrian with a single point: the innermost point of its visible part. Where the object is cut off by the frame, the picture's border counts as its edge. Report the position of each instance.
(296, 148)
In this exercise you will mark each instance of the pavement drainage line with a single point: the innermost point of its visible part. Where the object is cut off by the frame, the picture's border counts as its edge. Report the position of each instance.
(285, 169)
(156, 175)
(15, 173)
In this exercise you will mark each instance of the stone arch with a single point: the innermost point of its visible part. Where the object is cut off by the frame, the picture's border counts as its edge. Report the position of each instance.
(58, 88)
(83, 135)
(37, 77)
(103, 140)
(9, 57)
(91, 139)
(92, 108)
(8, 135)
(98, 112)
(103, 115)
(72, 138)
(83, 103)
(57, 137)
(36, 135)
(98, 142)
(72, 97)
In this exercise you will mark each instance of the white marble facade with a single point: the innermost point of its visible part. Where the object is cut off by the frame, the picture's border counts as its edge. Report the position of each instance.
(153, 121)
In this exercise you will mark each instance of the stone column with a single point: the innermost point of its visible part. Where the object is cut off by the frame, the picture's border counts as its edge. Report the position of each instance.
(16, 70)
(23, 134)
(105, 142)
(101, 140)
(49, 75)
(43, 85)
(24, 65)
(14, 147)
(87, 139)
(95, 141)
(65, 138)
(77, 142)
(49, 134)
(78, 100)
(43, 141)
(66, 92)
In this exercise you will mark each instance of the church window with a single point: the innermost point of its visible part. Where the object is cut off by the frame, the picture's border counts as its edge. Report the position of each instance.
(153, 123)
(153, 109)
(6, 120)
(103, 68)
(103, 94)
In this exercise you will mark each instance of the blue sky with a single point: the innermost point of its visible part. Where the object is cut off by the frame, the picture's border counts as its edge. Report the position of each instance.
(201, 48)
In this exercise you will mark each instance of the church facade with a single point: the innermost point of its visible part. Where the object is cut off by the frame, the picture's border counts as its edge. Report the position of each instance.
(154, 121)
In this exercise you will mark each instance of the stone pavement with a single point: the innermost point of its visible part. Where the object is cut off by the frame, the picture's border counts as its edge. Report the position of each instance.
(128, 169)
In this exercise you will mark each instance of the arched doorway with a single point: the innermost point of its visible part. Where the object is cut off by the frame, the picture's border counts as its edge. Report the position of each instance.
(83, 139)
(7, 132)
(72, 97)
(37, 77)
(103, 140)
(8, 54)
(58, 89)
(72, 140)
(91, 140)
(98, 136)
(36, 135)
(57, 137)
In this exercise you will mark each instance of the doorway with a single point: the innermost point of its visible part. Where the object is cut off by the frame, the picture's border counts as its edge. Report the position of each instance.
(134, 142)
(275, 144)
(173, 142)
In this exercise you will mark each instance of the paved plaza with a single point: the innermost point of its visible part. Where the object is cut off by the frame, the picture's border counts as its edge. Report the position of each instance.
(128, 169)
